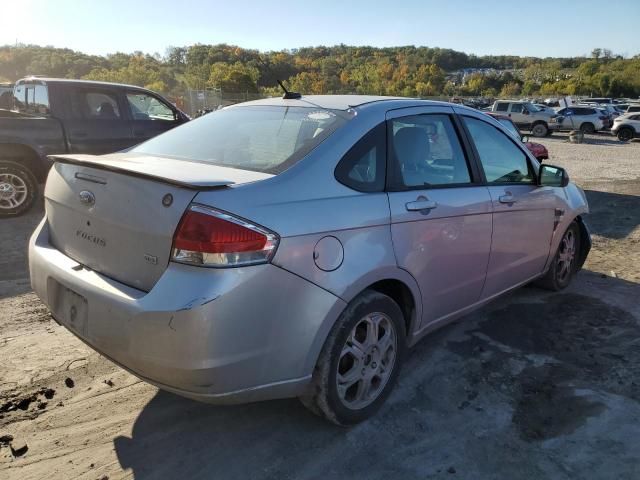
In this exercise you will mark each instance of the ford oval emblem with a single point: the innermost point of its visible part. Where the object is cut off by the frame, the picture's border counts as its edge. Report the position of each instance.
(87, 198)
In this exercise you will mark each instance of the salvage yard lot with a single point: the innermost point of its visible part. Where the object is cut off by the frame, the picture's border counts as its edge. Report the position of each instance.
(535, 385)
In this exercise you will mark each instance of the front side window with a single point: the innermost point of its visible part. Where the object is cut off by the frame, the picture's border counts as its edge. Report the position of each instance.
(94, 105)
(147, 107)
(261, 138)
(510, 126)
(502, 161)
(426, 152)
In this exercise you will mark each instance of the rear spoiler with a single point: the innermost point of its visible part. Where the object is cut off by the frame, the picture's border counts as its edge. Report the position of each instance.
(179, 172)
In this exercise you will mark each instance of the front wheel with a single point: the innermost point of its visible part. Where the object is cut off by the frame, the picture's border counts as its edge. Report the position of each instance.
(18, 189)
(539, 130)
(565, 262)
(360, 360)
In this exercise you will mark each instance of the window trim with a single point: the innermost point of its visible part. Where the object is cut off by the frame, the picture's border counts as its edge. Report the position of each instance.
(478, 161)
(379, 139)
(392, 184)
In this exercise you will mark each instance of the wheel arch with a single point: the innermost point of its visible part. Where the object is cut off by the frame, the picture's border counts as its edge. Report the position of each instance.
(395, 283)
(24, 155)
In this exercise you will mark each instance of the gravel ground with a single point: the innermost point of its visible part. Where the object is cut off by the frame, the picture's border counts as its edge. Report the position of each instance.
(536, 385)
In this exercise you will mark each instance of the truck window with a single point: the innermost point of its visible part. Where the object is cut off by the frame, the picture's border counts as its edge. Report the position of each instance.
(31, 98)
(94, 105)
(502, 107)
(516, 108)
(147, 107)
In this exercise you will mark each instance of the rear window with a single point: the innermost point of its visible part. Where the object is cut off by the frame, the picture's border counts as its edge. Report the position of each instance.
(266, 139)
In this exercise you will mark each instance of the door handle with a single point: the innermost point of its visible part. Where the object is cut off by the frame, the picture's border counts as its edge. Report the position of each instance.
(508, 198)
(421, 204)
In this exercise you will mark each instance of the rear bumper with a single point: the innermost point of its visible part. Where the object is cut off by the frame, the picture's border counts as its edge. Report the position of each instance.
(216, 335)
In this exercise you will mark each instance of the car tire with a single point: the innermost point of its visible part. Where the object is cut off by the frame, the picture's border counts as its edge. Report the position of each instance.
(587, 128)
(365, 349)
(625, 134)
(18, 189)
(539, 130)
(565, 261)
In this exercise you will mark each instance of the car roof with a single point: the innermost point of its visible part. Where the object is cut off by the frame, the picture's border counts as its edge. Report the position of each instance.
(35, 78)
(341, 102)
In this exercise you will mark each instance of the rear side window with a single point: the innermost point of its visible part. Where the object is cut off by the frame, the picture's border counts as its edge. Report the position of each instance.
(363, 166)
(426, 152)
(502, 107)
(260, 138)
(31, 98)
(502, 161)
(94, 105)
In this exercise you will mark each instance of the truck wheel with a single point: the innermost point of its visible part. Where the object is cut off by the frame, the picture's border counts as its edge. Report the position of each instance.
(625, 134)
(587, 128)
(360, 360)
(18, 189)
(539, 130)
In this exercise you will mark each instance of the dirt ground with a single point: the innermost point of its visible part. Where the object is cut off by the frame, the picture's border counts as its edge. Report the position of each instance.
(536, 385)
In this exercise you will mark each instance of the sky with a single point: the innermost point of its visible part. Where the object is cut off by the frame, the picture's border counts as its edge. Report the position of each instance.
(539, 28)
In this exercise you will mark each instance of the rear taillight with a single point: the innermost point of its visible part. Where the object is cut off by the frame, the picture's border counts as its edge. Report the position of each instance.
(211, 238)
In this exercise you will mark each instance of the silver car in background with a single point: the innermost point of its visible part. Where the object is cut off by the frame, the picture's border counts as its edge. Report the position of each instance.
(298, 246)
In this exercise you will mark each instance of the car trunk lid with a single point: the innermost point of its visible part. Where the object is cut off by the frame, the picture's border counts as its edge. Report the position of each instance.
(117, 214)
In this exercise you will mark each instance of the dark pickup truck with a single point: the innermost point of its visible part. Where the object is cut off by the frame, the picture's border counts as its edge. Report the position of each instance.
(51, 116)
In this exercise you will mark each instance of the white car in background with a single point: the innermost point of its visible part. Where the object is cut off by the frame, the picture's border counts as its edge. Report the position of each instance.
(584, 118)
(626, 127)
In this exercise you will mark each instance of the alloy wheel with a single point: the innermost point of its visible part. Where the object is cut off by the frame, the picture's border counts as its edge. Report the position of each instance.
(366, 361)
(566, 256)
(13, 191)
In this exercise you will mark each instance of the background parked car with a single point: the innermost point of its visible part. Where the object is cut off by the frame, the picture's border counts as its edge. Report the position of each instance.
(51, 116)
(627, 126)
(6, 91)
(528, 117)
(586, 119)
(539, 151)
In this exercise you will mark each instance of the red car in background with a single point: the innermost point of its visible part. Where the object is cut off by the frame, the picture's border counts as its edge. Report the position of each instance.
(539, 151)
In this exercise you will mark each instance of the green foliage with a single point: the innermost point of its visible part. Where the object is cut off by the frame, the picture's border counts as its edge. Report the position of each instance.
(407, 71)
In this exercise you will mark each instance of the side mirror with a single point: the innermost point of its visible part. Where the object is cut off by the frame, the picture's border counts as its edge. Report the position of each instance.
(550, 176)
(525, 112)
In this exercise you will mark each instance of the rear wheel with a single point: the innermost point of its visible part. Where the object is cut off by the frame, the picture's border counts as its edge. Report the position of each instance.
(18, 189)
(565, 261)
(360, 360)
(539, 130)
(587, 128)
(625, 134)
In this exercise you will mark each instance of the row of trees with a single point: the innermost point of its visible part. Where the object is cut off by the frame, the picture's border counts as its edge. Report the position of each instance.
(406, 71)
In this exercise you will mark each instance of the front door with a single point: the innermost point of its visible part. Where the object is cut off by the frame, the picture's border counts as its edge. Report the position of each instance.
(440, 215)
(96, 123)
(523, 213)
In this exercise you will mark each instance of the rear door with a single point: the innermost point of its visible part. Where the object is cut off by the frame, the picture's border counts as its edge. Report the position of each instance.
(95, 120)
(440, 214)
(516, 113)
(523, 213)
(150, 115)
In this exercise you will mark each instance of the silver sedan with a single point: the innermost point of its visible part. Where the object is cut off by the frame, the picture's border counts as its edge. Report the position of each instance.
(299, 246)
